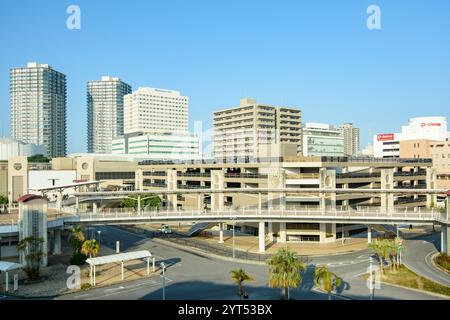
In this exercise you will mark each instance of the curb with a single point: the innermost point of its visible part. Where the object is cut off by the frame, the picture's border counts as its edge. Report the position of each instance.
(435, 265)
(417, 290)
(206, 254)
(243, 260)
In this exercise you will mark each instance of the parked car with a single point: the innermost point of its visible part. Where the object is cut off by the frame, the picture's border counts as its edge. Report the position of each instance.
(165, 229)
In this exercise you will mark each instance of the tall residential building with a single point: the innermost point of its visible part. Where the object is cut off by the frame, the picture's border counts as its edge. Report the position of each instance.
(321, 139)
(351, 139)
(38, 107)
(105, 112)
(156, 110)
(241, 132)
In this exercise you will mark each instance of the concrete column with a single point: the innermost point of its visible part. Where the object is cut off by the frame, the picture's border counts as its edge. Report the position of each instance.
(139, 204)
(57, 241)
(172, 186)
(77, 203)
(221, 233)
(327, 181)
(217, 183)
(270, 231)
(153, 264)
(283, 232)
(323, 232)
(431, 184)
(6, 281)
(387, 182)
(262, 237)
(94, 207)
(259, 202)
(200, 202)
(445, 239)
(369, 234)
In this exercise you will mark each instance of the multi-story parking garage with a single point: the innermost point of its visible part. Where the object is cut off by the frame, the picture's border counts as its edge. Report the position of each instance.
(285, 172)
(295, 173)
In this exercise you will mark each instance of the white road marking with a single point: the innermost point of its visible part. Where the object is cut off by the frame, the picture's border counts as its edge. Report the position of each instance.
(128, 289)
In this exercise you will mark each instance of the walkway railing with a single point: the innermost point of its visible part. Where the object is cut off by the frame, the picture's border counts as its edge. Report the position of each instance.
(360, 213)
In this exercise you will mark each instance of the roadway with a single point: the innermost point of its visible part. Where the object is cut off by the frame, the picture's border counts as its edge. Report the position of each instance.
(197, 276)
(418, 257)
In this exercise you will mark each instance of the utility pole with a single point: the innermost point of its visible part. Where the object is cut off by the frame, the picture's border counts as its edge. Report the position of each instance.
(163, 266)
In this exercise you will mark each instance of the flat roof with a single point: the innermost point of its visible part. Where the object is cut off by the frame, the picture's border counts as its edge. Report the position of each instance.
(120, 257)
(9, 266)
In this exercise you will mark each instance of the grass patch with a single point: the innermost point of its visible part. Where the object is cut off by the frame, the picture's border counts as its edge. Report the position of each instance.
(443, 261)
(406, 278)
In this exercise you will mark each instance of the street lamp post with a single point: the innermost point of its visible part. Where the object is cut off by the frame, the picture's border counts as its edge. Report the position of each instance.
(371, 279)
(163, 266)
(234, 253)
(0, 248)
(99, 233)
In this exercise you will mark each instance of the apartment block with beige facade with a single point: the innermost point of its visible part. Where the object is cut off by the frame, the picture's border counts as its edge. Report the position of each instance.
(437, 151)
(240, 132)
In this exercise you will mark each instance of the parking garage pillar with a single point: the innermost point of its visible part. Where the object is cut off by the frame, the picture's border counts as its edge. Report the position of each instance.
(276, 179)
(262, 237)
(327, 181)
(445, 240)
(217, 183)
(270, 231)
(430, 182)
(369, 234)
(172, 186)
(139, 204)
(94, 207)
(387, 182)
(221, 232)
(283, 232)
(57, 241)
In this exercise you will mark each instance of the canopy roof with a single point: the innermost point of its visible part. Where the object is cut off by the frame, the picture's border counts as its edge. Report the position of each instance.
(9, 266)
(119, 257)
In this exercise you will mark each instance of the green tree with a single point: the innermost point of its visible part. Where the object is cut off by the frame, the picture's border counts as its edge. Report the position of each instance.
(76, 239)
(239, 276)
(326, 279)
(285, 270)
(38, 158)
(394, 250)
(3, 199)
(131, 202)
(381, 249)
(90, 248)
(32, 249)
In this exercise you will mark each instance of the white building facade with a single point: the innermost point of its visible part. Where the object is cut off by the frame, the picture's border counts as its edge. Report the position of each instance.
(159, 146)
(156, 110)
(38, 107)
(105, 112)
(12, 148)
(387, 145)
(320, 139)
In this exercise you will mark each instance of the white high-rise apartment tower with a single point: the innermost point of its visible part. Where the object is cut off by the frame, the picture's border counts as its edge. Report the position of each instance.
(105, 112)
(38, 107)
(155, 110)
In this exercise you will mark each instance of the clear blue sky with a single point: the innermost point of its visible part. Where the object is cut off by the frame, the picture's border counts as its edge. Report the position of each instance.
(316, 55)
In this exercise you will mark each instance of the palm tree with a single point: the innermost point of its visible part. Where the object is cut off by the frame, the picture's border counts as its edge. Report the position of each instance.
(90, 248)
(326, 279)
(76, 237)
(239, 276)
(284, 270)
(381, 250)
(32, 249)
(394, 249)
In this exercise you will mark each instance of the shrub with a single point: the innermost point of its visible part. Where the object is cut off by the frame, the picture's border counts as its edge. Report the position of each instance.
(444, 261)
(78, 259)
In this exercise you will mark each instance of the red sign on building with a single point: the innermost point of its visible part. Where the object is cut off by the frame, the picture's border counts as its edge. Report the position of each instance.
(385, 137)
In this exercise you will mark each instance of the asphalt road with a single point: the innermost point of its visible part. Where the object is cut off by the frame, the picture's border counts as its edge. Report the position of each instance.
(199, 277)
(418, 258)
